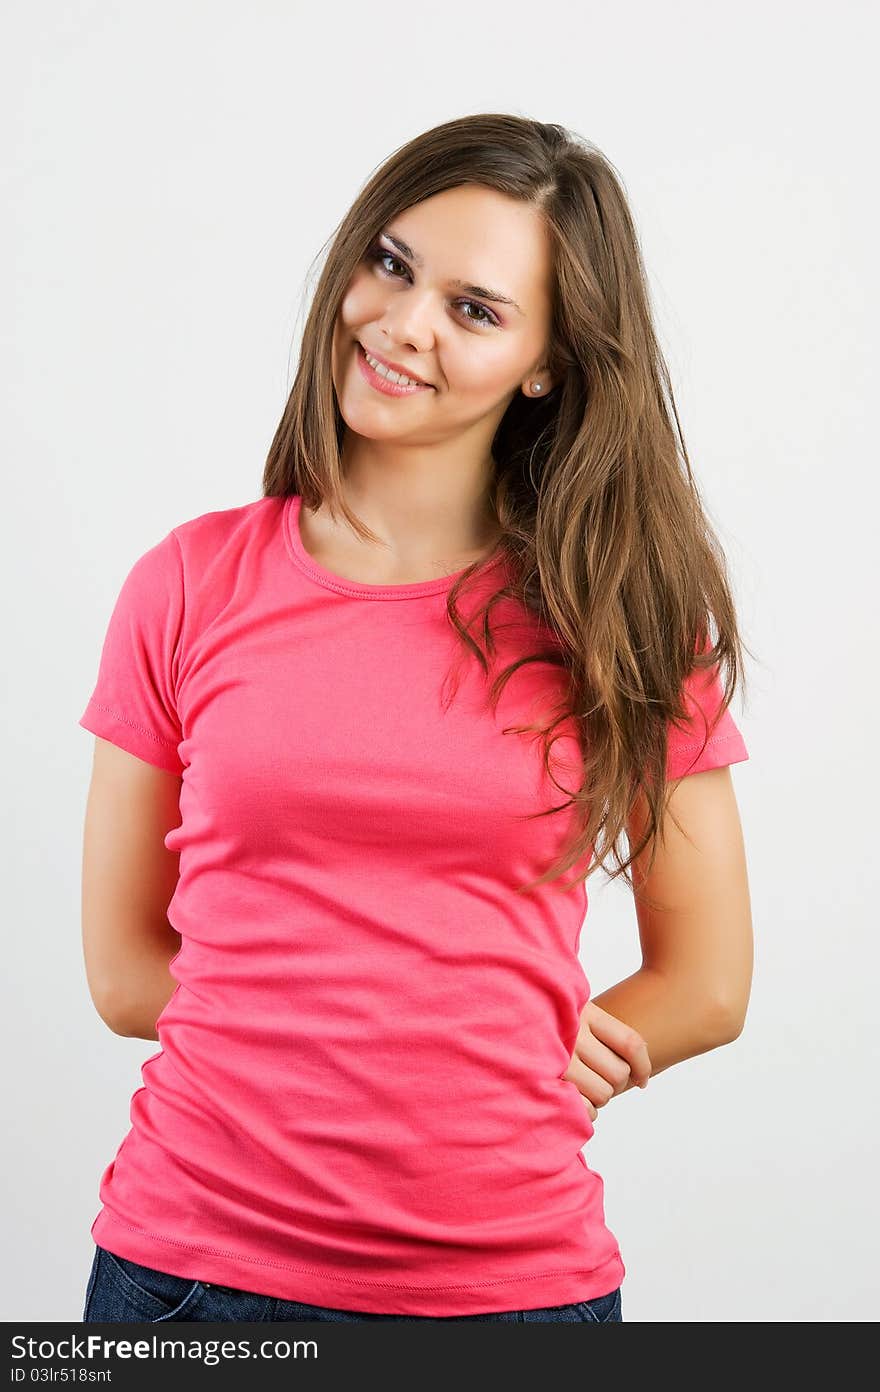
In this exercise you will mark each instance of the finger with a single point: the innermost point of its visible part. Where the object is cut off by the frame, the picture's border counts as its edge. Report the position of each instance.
(597, 1056)
(621, 1038)
(590, 1084)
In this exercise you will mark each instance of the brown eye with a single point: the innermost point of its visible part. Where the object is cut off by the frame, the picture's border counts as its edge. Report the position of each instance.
(380, 254)
(490, 318)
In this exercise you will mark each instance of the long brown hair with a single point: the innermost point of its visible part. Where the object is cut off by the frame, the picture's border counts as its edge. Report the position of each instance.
(603, 529)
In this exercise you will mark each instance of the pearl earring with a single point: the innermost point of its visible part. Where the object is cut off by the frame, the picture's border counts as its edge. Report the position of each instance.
(536, 386)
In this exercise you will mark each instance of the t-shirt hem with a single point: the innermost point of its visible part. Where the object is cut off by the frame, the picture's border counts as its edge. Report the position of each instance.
(696, 757)
(350, 1292)
(135, 739)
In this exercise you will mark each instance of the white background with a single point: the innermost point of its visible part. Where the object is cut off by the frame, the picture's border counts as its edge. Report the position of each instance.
(170, 173)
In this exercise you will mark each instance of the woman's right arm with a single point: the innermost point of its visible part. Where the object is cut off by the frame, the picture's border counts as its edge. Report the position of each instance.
(128, 880)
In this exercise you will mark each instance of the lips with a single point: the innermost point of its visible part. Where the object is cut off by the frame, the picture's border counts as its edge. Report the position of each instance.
(395, 367)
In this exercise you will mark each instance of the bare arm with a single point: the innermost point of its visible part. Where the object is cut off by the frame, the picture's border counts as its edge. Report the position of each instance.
(153, 990)
(128, 879)
(691, 993)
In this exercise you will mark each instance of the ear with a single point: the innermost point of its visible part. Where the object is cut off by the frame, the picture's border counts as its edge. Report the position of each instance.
(534, 379)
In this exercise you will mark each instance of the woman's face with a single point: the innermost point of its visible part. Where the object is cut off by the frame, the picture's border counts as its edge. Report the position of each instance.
(418, 308)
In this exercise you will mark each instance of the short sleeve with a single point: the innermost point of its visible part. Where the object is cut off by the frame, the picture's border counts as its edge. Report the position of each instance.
(134, 704)
(703, 741)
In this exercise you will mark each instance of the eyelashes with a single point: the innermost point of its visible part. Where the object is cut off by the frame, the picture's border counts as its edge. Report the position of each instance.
(377, 254)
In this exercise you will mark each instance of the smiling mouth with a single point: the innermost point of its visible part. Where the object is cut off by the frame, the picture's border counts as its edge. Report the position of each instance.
(386, 385)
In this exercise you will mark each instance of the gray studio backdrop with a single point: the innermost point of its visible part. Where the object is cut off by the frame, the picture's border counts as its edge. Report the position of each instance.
(169, 174)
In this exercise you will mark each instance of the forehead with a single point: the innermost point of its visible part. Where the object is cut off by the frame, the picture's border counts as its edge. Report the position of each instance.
(479, 235)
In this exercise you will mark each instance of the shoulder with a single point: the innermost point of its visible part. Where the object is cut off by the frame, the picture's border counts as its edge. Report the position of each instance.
(200, 554)
(210, 530)
(216, 540)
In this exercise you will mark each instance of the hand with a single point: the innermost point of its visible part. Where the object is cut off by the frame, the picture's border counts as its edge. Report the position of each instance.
(608, 1054)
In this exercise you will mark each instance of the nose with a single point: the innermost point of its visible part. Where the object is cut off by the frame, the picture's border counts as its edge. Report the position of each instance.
(409, 320)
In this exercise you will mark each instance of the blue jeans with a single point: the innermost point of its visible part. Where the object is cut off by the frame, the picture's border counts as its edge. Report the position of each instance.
(123, 1290)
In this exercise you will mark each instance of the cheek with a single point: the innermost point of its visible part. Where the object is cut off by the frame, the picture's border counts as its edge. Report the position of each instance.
(482, 370)
(362, 302)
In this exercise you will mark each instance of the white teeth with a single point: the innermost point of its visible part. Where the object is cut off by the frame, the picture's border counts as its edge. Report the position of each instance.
(387, 372)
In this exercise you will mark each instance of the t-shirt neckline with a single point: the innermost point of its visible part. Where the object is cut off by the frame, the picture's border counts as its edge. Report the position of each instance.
(357, 588)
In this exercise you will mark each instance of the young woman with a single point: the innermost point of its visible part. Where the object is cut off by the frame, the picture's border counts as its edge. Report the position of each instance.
(351, 739)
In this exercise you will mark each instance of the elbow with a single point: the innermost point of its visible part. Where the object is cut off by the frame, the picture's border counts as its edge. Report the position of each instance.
(127, 1022)
(725, 1020)
(727, 1001)
(110, 1008)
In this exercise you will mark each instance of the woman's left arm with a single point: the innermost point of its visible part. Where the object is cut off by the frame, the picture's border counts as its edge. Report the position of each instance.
(692, 991)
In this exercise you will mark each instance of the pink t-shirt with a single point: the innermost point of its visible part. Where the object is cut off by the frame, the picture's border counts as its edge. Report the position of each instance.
(357, 1100)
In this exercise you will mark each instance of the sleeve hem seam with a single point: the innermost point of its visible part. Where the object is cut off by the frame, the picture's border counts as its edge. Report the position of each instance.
(696, 744)
(124, 720)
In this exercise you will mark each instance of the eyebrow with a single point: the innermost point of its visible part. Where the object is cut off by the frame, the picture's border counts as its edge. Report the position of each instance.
(479, 290)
